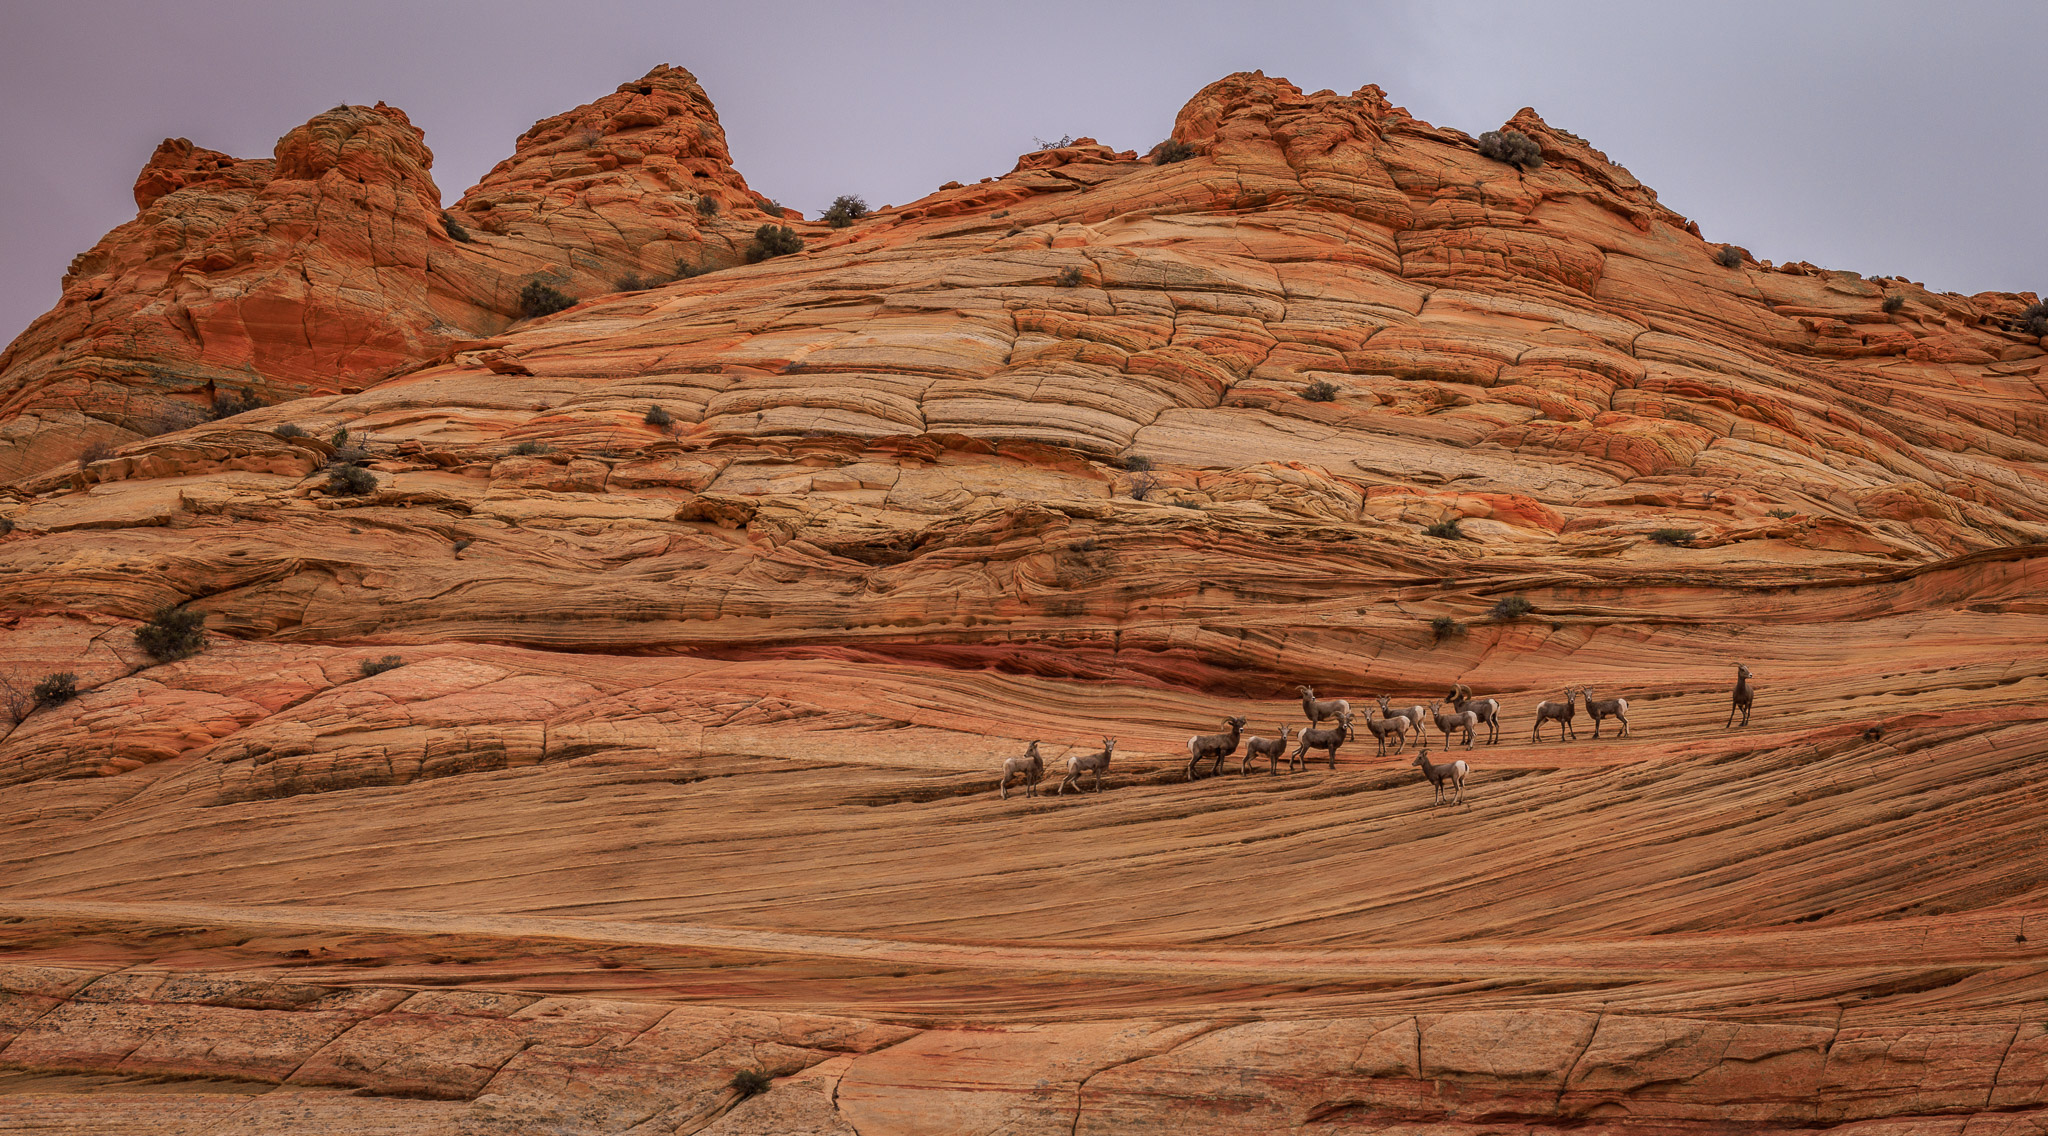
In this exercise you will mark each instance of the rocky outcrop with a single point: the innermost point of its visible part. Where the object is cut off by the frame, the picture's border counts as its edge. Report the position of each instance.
(331, 266)
(718, 603)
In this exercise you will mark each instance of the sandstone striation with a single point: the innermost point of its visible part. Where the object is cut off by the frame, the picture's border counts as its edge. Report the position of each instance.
(719, 601)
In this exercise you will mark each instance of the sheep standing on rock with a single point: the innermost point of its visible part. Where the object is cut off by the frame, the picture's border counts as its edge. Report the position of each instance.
(1452, 773)
(1272, 749)
(1487, 710)
(1031, 767)
(1743, 696)
(1559, 712)
(1320, 709)
(1096, 763)
(1217, 746)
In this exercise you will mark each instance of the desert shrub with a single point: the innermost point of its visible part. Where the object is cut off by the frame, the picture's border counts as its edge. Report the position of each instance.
(1136, 463)
(1170, 152)
(656, 416)
(774, 208)
(1783, 514)
(1071, 278)
(1142, 486)
(289, 430)
(338, 439)
(1322, 390)
(6, 525)
(172, 633)
(1729, 257)
(350, 480)
(1042, 144)
(844, 210)
(97, 451)
(1511, 607)
(455, 230)
(630, 282)
(2034, 319)
(748, 1082)
(1511, 146)
(56, 688)
(465, 542)
(1893, 303)
(1443, 627)
(379, 666)
(707, 205)
(525, 448)
(772, 241)
(1674, 537)
(225, 406)
(539, 298)
(1445, 530)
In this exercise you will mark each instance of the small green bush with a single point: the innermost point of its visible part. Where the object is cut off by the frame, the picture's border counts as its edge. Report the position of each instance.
(1071, 278)
(1674, 537)
(350, 480)
(523, 449)
(1443, 627)
(1322, 390)
(1893, 303)
(1170, 152)
(172, 633)
(1136, 463)
(748, 1082)
(1729, 257)
(1445, 530)
(540, 298)
(455, 230)
(55, 689)
(289, 430)
(1511, 146)
(630, 282)
(1512, 607)
(772, 241)
(2034, 320)
(1142, 486)
(707, 205)
(656, 416)
(338, 439)
(1783, 514)
(379, 666)
(845, 210)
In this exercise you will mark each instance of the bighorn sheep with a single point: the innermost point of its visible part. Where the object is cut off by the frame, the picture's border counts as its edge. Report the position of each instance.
(1319, 710)
(1412, 713)
(1743, 696)
(1030, 765)
(1396, 724)
(1464, 720)
(1610, 708)
(1218, 746)
(1453, 772)
(1272, 749)
(1095, 763)
(1322, 739)
(1487, 709)
(1559, 712)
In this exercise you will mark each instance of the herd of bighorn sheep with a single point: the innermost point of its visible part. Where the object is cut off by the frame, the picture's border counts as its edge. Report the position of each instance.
(1466, 715)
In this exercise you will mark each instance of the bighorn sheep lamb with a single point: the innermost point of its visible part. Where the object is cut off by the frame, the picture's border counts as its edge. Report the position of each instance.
(1321, 739)
(1743, 696)
(1218, 746)
(1453, 772)
(1559, 712)
(1464, 720)
(1030, 765)
(1319, 710)
(1096, 763)
(1610, 708)
(1272, 749)
(1487, 709)
(1396, 725)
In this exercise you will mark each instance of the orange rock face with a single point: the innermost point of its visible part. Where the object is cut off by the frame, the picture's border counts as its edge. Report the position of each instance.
(718, 604)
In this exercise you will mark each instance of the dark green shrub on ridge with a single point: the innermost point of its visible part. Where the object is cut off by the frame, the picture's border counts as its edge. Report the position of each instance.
(1071, 278)
(1893, 303)
(1171, 152)
(1673, 537)
(656, 416)
(1445, 530)
(350, 480)
(525, 448)
(845, 210)
(540, 298)
(771, 241)
(455, 230)
(1511, 146)
(1512, 607)
(172, 633)
(379, 666)
(55, 689)
(750, 1081)
(1443, 627)
(1322, 390)
(707, 205)
(1729, 257)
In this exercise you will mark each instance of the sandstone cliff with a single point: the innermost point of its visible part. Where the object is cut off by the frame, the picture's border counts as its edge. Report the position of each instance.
(719, 603)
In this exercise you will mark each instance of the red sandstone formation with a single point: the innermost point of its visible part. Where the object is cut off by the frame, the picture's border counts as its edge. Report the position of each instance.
(689, 766)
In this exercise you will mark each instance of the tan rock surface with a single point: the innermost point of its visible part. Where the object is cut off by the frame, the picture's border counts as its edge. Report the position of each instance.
(688, 768)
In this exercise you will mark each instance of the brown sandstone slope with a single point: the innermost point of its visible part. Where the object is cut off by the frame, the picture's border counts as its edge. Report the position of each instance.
(331, 265)
(696, 733)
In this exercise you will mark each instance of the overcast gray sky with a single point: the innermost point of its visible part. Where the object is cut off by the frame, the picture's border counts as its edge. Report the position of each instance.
(1897, 138)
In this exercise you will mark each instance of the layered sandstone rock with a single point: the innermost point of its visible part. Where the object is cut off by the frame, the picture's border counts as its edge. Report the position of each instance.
(705, 705)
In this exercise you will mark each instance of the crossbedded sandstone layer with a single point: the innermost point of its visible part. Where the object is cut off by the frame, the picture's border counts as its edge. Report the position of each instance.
(689, 766)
